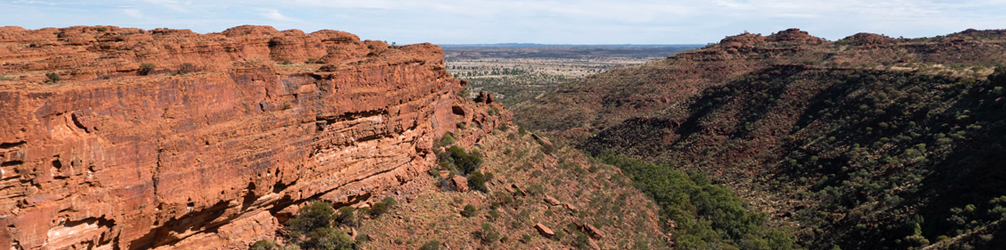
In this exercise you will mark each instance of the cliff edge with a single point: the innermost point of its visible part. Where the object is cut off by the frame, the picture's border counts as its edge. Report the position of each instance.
(173, 139)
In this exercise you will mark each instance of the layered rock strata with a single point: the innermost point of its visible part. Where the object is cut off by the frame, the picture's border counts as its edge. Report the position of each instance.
(211, 146)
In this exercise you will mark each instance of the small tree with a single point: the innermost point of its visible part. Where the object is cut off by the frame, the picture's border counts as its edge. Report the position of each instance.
(317, 214)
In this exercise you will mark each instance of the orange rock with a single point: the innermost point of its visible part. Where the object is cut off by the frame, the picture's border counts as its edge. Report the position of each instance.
(593, 232)
(460, 182)
(543, 230)
(552, 201)
(197, 160)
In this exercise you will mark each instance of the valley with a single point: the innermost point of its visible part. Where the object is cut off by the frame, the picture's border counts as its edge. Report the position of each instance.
(516, 72)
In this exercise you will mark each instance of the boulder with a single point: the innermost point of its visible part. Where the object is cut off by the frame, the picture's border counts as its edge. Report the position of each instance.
(552, 201)
(460, 182)
(593, 231)
(543, 230)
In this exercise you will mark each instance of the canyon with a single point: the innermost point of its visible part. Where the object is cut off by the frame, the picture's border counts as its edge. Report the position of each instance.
(170, 139)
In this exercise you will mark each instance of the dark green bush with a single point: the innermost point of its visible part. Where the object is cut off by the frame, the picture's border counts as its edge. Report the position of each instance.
(431, 245)
(328, 238)
(53, 77)
(347, 216)
(469, 211)
(446, 140)
(265, 245)
(378, 209)
(477, 181)
(317, 214)
(463, 161)
(389, 201)
(145, 68)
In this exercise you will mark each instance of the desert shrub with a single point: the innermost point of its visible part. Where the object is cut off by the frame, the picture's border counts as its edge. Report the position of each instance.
(317, 214)
(6, 78)
(446, 140)
(535, 190)
(488, 235)
(582, 241)
(478, 181)
(431, 245)
(378, 209)
(265, 245)
(145, 68)
(464, 161)
(469, 211)
(347, 216)
(328, 238)
(186, 68)
(389, 201)
(53, 77)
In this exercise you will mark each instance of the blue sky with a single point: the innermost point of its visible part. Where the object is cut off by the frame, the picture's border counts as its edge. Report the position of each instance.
(527, 21)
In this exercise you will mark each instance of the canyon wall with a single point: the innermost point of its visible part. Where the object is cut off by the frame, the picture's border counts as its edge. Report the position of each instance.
(215, 145)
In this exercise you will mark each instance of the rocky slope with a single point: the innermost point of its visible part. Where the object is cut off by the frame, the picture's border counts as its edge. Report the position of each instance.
(217, 142)
(869, 142)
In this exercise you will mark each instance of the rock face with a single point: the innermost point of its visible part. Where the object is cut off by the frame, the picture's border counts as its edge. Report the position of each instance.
(110, 159)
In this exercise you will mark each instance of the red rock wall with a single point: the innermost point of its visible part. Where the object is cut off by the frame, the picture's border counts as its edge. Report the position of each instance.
(110, 159)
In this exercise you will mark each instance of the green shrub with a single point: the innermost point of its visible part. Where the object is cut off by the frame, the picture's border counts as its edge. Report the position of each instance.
(582, 241)
(478, 181)
(145, 68)
(431, 245)
(347, 216)
(53, 77)
(469, 211)
(186, 68)
(389, 201)
(328, 238)
(6, 78)
(317, 214)
(446, 140)
(378, 209)
(465, 162)
(265, 245)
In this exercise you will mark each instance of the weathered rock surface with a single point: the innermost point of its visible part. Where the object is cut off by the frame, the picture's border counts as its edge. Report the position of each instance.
(110, 159)
(544, 230)
(460, 182)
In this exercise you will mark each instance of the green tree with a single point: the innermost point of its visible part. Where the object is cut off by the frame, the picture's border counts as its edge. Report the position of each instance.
(317, 214)
(328, 238)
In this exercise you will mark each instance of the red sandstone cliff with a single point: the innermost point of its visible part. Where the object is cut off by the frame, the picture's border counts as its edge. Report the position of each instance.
(110, 158)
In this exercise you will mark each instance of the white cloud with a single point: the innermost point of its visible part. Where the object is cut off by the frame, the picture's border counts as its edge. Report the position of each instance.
(275, 15)
(547, 21)
(134, 13)
(34, 2)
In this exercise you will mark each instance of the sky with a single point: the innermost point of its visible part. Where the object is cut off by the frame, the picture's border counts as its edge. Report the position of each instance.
(527, 21)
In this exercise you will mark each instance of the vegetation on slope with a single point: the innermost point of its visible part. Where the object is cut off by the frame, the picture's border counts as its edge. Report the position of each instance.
(866, 143)
(863, 158)
(702, 215)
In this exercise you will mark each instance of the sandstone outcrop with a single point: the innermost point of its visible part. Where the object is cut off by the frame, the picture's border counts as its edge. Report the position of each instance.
(212, 149)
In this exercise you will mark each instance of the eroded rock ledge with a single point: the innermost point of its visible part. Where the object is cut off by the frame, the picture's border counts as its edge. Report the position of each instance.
(211, 149)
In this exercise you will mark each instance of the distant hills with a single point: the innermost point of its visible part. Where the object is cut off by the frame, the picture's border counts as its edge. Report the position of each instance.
(525, 45)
